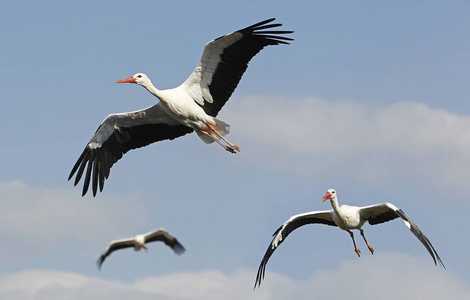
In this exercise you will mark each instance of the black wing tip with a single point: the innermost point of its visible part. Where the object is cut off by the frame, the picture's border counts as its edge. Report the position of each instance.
(86, 160)
(262, 266)
(259, 24)
(178, 248)
(262, 25)
(276, 40)
(440, 262)
(421, 237)
(85, 189)
(90, 175)
(79, 162)
(260, 274)
(438, 259)
(434, 254)
(99, 262)
(256, 29)
(257, 281)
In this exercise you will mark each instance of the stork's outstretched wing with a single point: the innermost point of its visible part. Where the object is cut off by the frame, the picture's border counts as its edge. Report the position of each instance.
(113, 246)
(384, 212)
(116, 135)
(294, 222)
(224, 61)
(168, 239)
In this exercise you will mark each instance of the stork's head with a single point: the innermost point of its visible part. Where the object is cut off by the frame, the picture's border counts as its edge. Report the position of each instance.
(330, 195)
(139, 78)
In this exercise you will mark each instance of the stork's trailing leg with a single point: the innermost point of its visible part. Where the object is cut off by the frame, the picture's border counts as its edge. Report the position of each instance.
(354, 242)
(233, 146)
(229, 149)
(369, 246)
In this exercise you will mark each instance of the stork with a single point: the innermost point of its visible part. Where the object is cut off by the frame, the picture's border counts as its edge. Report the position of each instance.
(346, 218)
(192, 106)
(139, 241)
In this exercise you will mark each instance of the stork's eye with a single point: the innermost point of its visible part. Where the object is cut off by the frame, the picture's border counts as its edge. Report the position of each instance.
(333, 192)
(139, 76)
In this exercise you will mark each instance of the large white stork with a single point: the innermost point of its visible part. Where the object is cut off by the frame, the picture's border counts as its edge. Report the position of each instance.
(191, 106)
(138, 242)
(345, 217)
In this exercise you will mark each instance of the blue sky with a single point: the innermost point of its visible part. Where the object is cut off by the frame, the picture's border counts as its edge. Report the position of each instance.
(370, 99)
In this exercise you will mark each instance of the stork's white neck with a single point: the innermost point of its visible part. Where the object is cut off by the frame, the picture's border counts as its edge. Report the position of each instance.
(154, 91)
(334, 204)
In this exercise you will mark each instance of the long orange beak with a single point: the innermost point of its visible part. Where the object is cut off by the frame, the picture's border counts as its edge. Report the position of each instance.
(326, 197)
(130, 79)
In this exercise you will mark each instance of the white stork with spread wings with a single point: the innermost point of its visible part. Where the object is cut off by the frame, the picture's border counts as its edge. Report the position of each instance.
(138, 242)
(192, 106)
(345, 217)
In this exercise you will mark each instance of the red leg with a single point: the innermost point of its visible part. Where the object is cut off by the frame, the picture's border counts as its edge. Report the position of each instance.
(216, 132)
(354, 242)
(229, 149)
(369, 246)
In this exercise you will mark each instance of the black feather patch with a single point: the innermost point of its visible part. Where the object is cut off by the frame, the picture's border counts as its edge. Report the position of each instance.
(101, 159)
(235, 59)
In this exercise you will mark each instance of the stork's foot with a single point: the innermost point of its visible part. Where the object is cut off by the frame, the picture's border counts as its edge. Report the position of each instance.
(358, 252)
(368, 246)
(235, 147)
(230, 149)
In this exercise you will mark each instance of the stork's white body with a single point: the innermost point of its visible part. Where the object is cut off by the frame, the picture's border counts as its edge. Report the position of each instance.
(180, 104)
(139, 242)
(347, 217)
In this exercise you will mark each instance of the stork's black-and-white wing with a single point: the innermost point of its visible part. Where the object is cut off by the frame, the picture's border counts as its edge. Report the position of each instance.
(294, 222)
(116, 135)
(168, 239)
(224, 61)
(113, 246)
(380, 213)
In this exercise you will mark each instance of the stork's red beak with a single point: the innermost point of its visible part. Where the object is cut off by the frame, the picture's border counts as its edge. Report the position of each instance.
(326, 197)
(130, 79)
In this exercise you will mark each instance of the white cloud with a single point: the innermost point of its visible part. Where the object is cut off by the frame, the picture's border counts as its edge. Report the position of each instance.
(385, 276)
(388, 276)
(373, 144)
(51, 219)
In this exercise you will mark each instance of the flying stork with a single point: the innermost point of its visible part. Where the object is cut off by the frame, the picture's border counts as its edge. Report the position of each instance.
(192, 106)
(345, 217)
(138, 242)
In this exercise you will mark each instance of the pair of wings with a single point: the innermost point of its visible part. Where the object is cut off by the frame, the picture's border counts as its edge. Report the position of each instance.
(374, 214)
(211, 84)
(158, 235)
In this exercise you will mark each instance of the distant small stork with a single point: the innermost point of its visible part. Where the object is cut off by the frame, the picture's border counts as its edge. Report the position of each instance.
(345, 217)
(192, 106)
(138, 242)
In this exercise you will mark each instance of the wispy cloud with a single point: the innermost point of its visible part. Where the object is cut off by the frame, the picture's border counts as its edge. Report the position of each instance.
(368, 143)
(50, 219)
(387, 276)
